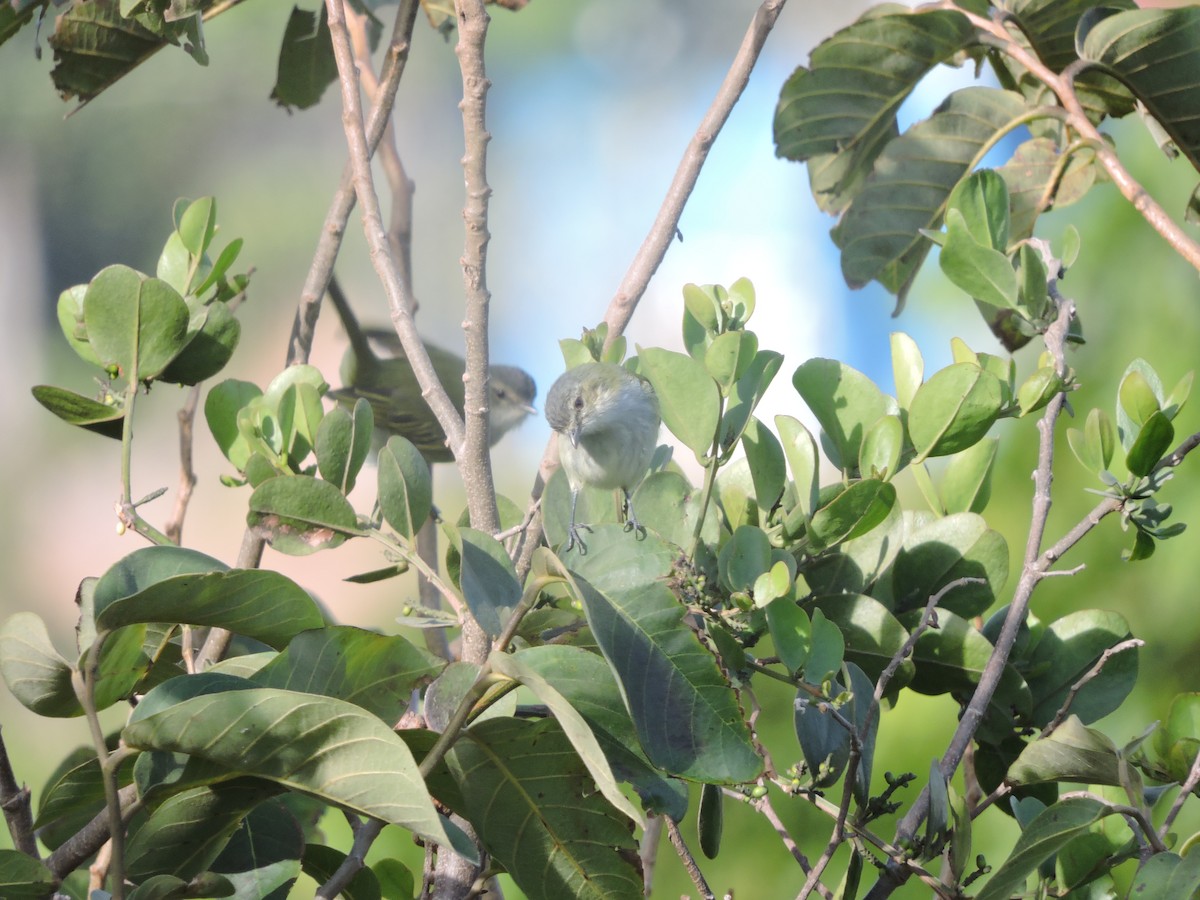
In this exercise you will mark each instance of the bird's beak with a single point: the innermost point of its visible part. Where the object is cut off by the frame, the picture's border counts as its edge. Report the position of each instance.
(573, 436)
(529, 409)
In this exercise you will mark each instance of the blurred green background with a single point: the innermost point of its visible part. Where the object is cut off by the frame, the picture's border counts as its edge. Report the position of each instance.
(592, 105)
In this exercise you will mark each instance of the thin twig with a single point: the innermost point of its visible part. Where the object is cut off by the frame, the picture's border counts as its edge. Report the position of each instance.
(1091, 673)
(1185, 791)
(14, 800)
(1063, 86)
(187, 472)
(338, 214)
(666, 224)
(689, 861)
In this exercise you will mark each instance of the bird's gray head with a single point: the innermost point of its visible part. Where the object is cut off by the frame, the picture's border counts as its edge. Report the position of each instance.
(511, 392)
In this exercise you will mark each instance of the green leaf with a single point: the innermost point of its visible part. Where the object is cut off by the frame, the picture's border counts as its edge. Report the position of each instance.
(967, 482)
(262, 858)
(1048, 833)
(170, 584)
(322, 746)
(298, 514)
(70, 319)
(846, 403)
(377, 672)
(321, 862)
(486, 576)
(405, 486)
(1152, 443)
(136, 323)
(791, 632)
(827, 651)
(951, 659)
(872, 635)
(825, 742)
(953, 410)
(710, 822)
(981, 201)
(1154, 53)
(587, 683)
(221, 408)
(879, 455)
(703, 307)
(306, 63)
(36, 673)
(852, 513)
(1093, 446)
(1138, 397)
(801, 452)
(846, 101)
(746, 394)
(728, 356)
(764, 455)
(984, 273)
(85, 412)
(1067, 650)
(197, 225)
(185, 833)
(208, 348)
(880, 234)
(1166, 876)
(23, 877)
(908, 368)
(574, 726)
(745, 557)
(82, 32)
(343, 443)
(944, 550)
(1072, 752)
(688, 398)
(686, 714)
(526, 792)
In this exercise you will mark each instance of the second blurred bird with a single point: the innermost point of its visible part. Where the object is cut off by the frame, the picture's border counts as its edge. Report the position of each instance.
(385, 379)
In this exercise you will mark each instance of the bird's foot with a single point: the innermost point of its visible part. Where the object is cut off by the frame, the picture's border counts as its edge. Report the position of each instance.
(575, 537)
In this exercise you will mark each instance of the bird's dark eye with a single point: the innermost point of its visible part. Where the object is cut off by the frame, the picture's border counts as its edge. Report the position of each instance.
(501, 393)
(579, 403)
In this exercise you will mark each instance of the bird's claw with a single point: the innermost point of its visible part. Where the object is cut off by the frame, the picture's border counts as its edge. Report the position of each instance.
(574, 537)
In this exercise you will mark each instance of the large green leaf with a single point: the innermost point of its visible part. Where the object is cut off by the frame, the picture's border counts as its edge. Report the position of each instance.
(1156, 53)
(36, 673)
(872, 634)
(262, 858)
(845, 102)
(880, 233)
(377, 672)
(300, 514)
(258, 603)
(529, 797)
(846, 403)
(945, 550)
(23, 877)
(587, 682)
(686, 713)
(322, 746)
(185, 833)
(94, 46)
(688, 398)
(136, 323)
(1049, 832)
(1066, 651)
(77, 409)
(574, 726)
(1072, 752)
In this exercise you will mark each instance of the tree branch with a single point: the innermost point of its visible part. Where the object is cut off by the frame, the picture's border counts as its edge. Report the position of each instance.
(14, 800)
(666, 224)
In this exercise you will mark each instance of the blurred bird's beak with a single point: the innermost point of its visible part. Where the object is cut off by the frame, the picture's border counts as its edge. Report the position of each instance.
(573, 435)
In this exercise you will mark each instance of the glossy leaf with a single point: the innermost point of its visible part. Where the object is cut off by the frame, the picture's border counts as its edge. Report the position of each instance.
(872, 635)
(587, 682)
(791, 632)
(319, 745)
(688, 398)
(1068, 648)
(1093, 446)
(846, 403)
(690, 723)
(853, 513)
(879, 455)
(342, 444)
(765, 457)
(24, 878)
(981, 201)
(986, 274)
(76, 409)
(1072, 752)
(800, 450)
(299, 514)
(170, 584)
(1152, 443)
(209, 347)
(953, 410)
(1049, 832)
(377, 672)
(262, 857)
(827, 651)
(221, 408)
(527, 794)
(136, 323)
(745, 557)
(908, 367)
(36, 673)
(967, 482)
(880, 234)
(710, 822)
(953, 547)
(486, 576)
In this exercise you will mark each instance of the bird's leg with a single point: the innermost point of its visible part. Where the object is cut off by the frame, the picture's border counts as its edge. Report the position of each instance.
(573, 535)
(631, 520)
